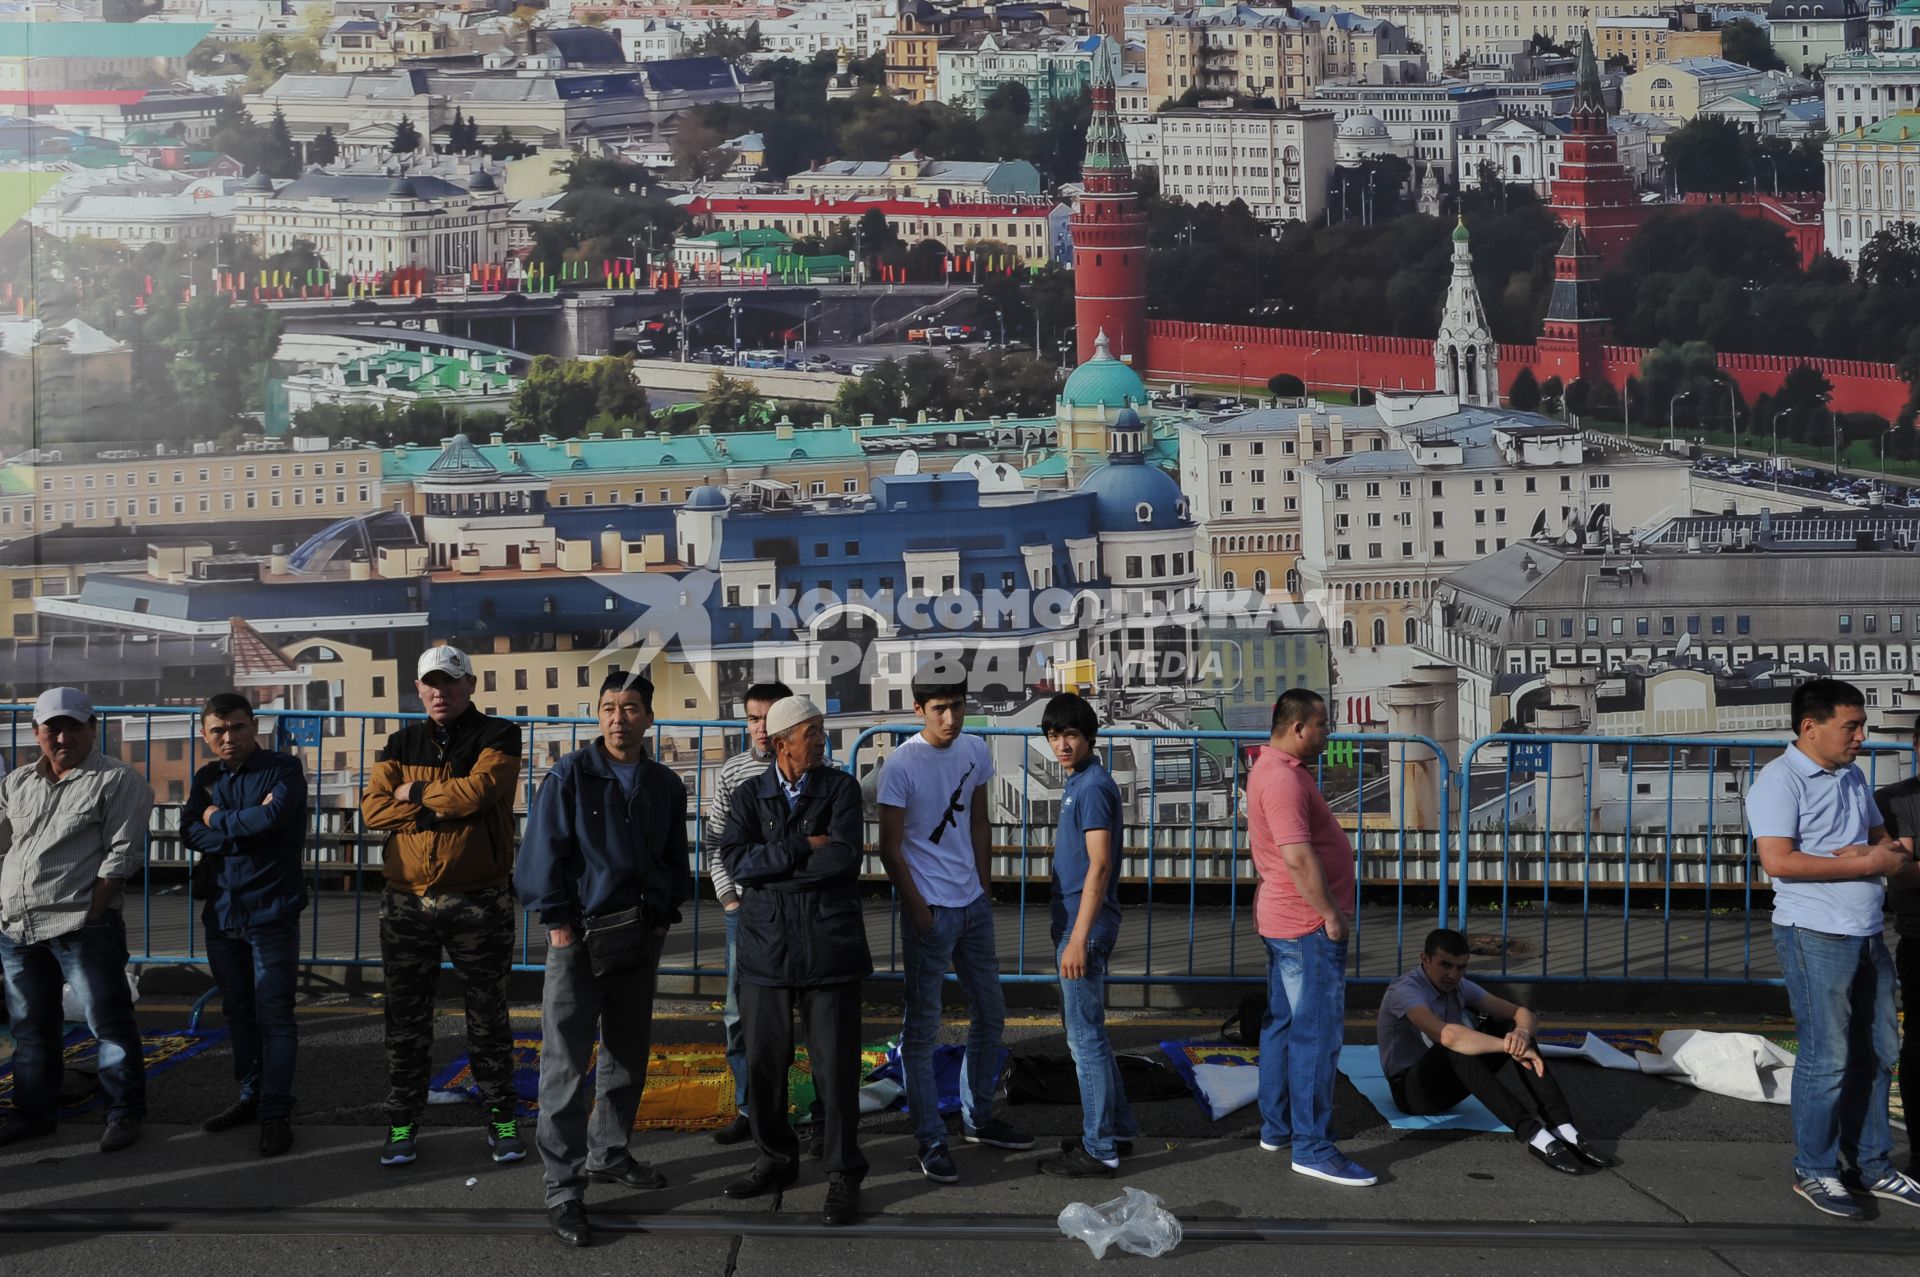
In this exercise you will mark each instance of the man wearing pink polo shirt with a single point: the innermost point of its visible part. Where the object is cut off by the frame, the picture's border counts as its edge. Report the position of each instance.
(1304, 908)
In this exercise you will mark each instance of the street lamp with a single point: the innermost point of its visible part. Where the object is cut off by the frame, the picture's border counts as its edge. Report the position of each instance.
(1671, 404)
(1733, 416)
(733, 309)
(1776, 437)
(1001, 315)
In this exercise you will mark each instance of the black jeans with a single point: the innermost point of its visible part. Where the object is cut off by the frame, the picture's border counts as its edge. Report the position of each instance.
(1443, 1078)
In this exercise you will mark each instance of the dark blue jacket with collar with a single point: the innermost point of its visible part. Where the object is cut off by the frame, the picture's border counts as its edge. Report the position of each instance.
(260, 874)
(800, 919)
(590, 848)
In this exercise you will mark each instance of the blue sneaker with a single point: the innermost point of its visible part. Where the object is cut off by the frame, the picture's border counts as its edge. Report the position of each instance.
(1339, 1169)
(1895, 1187)
(1000, 1134)
(1825, 1193)
(937, 1164)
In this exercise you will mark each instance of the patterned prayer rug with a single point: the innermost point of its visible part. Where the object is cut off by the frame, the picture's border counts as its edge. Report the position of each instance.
(162, 1050)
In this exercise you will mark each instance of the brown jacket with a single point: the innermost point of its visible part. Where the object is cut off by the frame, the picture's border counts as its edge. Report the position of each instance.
(458, 836)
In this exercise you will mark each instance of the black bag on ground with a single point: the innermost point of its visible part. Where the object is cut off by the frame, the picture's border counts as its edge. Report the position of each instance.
(1051, 1079)
(618, 942)
(1243, 1026)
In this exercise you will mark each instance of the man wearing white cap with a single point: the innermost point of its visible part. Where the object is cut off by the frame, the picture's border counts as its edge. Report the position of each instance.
(73, 829)
(793, 849)
(443, 790)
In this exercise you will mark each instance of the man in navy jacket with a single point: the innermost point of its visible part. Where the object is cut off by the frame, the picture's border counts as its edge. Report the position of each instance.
(604, 863)
(247, 817)
(793, 846)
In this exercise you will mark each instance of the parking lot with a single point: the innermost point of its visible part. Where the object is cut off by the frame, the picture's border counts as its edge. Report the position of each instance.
(1812, 481)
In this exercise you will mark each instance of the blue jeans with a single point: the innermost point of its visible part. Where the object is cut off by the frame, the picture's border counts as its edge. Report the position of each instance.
(1300, 1042)
(1841, 989)
(962, 938)
(94, 961)
(730, 1016)
(1105, 1115)
(256, 968)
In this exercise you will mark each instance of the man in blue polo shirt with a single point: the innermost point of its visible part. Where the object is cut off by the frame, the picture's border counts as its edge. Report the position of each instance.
(1086, 922)
(1824, 844)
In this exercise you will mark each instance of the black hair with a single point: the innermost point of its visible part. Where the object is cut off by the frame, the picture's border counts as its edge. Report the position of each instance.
(615, 681)
(1445, 940)
(926, 691)
(1818, 698)
(221, 704)
(1294, 706)
(1069, 712)
(768, 692)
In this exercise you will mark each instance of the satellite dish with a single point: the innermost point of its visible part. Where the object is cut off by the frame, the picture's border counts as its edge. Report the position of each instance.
(908, 463)
(974, 463)
(1572, 535)
(1683, 646)
(998, 476)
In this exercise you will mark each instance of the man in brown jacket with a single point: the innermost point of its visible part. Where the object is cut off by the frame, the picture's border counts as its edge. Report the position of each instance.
(443, 790)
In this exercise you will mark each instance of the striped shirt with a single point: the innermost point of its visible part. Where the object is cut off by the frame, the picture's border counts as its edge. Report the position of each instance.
(735, 772)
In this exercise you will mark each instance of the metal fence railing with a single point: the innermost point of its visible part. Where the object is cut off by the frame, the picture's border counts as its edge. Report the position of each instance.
(1569, 858)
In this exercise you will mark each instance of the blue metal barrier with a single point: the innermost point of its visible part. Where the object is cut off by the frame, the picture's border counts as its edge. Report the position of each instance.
(1526, 837)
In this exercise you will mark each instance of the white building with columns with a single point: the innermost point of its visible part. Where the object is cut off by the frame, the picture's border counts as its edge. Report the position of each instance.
(372, 222)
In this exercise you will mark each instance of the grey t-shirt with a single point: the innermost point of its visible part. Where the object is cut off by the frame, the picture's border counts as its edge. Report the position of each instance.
(1401, 1044)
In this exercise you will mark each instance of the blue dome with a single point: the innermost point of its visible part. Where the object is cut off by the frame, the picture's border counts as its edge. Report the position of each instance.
(1103, 381)
(706, 497)
(1126, 489)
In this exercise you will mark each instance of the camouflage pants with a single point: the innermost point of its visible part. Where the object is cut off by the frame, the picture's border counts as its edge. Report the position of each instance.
(475, 929)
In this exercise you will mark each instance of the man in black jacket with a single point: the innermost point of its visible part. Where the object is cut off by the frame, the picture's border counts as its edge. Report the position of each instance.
(793, 848)
(604, 862)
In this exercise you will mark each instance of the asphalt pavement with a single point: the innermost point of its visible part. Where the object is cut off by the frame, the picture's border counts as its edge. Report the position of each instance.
(1702, 1185)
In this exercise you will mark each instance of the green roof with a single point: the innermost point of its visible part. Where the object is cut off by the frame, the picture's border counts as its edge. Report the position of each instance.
(20, 191)
(1053, 466)
(743, 448)
(766, 236)
(1104, 381)
(1895, 128)
(426, 374)
(100, 39)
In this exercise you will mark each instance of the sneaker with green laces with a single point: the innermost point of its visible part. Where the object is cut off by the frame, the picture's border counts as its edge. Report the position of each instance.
(503, 1136)
(398, 1150)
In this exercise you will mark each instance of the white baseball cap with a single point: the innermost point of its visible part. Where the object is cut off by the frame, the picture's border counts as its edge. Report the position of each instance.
(450, 661)
(789, 713)
(62, 702)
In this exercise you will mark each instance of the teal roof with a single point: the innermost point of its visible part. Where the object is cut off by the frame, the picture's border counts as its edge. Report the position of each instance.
(426, 374)
(760, 238)
(1054, 466)
(100, 39)
(1103, 381)
(665, 452)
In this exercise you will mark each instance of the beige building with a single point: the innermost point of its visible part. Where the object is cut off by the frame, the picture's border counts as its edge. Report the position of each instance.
(1452, 29)
(917, 177)
(363, 223)
(360, 44)
(1678, 91)
(1243, 478)
(1279, 162)
(1682, 32)
(1036, 232)
(1872, 182)
(1262, 53)
(187, 489)
(52, 375)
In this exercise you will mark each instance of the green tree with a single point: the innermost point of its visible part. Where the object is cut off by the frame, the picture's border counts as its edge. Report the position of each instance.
(325, 148)
(558, 395)
(1552, 393)
(1284, 385)
(1892, 256)
(282, 158)
(221, 353)
(1524, 393)
(1709, 154)
(1744, 42)
(729, 404)
(722, 41)
(505, 147)
(1579, 397)
(406, 138)
(1010, 97)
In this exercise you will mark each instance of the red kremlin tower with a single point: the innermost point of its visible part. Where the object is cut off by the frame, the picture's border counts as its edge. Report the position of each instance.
(1109, 235)
(1576, 331)
(1593, 190)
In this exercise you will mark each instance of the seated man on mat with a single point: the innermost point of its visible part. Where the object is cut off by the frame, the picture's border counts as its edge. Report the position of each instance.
(1433, 1057)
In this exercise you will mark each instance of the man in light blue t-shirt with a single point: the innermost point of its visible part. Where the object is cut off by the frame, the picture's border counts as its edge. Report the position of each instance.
(1825, 845)
(936, 844)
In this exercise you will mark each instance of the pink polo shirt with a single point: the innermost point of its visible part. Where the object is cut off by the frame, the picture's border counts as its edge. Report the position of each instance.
(1285, 806)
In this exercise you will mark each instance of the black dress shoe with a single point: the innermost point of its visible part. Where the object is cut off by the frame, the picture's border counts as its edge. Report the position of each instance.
(1076, 1163)
(239, 1113)
(1592, 1156)
(1557, 1156)
(631, 1174)
(1123, 1147)
(817, 1145)
(121, 1132)
(762, 1180)
(568, 1222)
(735, 1132)
(843, 1201)
(276, 1136)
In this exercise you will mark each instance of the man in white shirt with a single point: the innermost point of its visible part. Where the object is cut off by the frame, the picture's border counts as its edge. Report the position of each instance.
(936, 844)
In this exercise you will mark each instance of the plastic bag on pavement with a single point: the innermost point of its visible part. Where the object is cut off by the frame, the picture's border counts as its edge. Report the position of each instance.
(1137, 1222)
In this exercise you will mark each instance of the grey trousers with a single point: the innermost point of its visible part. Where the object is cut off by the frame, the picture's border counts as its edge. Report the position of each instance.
(576, 1006)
